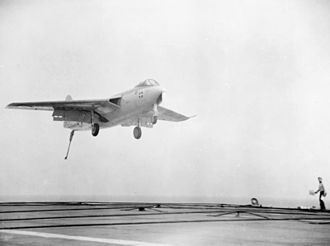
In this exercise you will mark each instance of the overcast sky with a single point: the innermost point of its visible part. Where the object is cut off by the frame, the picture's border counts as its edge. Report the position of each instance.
(255, 72)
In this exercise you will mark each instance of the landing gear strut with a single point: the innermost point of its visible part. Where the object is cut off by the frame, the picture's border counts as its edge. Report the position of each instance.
(137, 132)
(155, 116)
(70, 140)
(95, 126)
(95, 129)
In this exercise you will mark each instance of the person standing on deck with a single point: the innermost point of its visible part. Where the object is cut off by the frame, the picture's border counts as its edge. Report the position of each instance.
(322, 193)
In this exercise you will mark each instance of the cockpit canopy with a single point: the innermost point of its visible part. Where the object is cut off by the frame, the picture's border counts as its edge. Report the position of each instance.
(148, 82)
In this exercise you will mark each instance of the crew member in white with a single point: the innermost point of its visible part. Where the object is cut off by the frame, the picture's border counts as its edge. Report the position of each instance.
(322, 193)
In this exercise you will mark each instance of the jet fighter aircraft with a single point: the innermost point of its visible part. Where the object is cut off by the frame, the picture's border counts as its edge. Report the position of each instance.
(137, 107)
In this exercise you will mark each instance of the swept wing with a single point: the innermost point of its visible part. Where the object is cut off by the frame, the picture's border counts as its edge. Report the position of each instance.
(100, 105)
(169, 115)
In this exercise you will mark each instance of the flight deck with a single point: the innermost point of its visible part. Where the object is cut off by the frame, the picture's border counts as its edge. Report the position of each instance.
(122, 223)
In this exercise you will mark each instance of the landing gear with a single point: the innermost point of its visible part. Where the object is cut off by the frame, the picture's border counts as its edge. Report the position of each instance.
(95, 129)
(95, 126)
(155, 115)
(137, 132)
(70, 140)
(154, 120)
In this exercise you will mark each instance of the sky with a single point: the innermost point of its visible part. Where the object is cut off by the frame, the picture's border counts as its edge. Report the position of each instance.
(255, 72)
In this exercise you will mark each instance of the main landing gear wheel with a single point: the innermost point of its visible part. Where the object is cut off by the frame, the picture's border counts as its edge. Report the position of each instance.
(137, 132)
(95, 129)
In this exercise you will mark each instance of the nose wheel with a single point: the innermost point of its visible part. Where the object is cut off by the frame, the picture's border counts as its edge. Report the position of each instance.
(95, 129)
(137, 132)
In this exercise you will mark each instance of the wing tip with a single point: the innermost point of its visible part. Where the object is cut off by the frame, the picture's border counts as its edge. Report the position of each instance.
(183, 117)
(14, 105)
(9, 106)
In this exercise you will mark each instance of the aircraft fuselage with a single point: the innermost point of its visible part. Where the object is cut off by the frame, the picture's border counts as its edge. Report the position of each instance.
(132, 104)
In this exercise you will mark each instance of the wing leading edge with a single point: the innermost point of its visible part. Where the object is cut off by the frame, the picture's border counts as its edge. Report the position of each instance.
(103, 106)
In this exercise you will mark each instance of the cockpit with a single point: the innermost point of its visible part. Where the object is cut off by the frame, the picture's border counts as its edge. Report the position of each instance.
(148, 82)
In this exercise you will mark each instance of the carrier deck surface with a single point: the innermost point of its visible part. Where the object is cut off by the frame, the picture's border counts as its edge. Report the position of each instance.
(121, 223)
